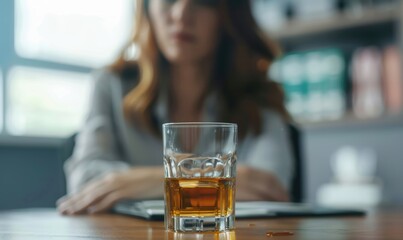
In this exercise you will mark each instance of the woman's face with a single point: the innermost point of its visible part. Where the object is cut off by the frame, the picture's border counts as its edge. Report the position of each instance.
(186, 31)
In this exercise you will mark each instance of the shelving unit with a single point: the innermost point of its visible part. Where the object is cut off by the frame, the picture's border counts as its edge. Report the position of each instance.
(352, 122)
(321, 139)
(336, 22)
(340, 27)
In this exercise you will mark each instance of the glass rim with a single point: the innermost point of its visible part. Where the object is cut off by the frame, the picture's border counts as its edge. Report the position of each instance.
(200, 124)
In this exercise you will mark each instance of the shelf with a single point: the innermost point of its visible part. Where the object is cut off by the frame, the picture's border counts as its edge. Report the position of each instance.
(368, 17)
(350, 122)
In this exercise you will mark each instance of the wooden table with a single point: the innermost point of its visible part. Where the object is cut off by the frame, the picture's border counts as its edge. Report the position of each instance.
(48, 224)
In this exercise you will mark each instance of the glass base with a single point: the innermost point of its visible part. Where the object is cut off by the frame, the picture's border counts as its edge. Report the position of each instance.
(201, 224)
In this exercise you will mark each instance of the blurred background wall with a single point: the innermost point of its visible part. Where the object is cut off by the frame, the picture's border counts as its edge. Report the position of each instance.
(341, 72)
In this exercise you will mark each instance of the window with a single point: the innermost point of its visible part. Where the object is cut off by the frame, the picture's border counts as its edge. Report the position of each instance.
(44, 102)
(89, 32)
(48, 50)
(1, 101)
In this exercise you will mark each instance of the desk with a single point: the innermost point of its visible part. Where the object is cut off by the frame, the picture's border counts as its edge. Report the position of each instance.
(48, 224)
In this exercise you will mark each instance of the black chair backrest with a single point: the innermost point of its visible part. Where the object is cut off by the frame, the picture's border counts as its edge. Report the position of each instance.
(297, 180)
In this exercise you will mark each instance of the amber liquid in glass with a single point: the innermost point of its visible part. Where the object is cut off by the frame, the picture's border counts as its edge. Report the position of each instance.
(201, 197)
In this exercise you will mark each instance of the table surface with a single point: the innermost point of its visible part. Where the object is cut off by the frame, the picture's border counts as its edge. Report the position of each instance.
(48, 224)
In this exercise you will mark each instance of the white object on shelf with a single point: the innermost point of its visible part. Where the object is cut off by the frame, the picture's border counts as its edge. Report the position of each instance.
(270, 14)
(350, 165)
(314, 9)
(350, 195)
(355, 183)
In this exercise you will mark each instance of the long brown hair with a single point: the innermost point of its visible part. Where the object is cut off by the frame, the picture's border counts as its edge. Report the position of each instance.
(244, 56)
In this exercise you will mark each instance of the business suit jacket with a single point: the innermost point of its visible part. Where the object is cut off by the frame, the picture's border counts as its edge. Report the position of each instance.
(108, 143)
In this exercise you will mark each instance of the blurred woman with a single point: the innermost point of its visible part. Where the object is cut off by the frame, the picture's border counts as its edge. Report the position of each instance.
(197, 60)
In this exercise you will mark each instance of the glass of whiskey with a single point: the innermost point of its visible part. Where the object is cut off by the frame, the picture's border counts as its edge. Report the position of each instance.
(200, 171)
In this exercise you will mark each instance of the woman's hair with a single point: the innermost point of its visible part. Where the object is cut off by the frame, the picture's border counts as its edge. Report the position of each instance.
(243, 57)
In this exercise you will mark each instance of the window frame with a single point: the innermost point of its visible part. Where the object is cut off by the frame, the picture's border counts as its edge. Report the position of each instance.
(9, 59)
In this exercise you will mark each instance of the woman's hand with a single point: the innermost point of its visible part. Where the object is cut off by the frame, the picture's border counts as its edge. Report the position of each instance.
(257, 185)
(100, 195)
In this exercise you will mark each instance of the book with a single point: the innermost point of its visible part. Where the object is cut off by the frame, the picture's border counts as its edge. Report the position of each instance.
(392, 80)
(314, 83)
(155, 210)
(366, 81)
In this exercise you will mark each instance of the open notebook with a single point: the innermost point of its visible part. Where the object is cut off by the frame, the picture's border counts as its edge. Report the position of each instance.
(154, 210)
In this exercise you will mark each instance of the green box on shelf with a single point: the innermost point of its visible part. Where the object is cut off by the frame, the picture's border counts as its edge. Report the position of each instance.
(293, 80)
(314, 83)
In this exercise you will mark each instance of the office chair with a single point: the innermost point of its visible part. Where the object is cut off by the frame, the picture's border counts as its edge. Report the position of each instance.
(296, 148)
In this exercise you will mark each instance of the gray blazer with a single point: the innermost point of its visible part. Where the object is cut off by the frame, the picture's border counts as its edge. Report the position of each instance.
(108, 143)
